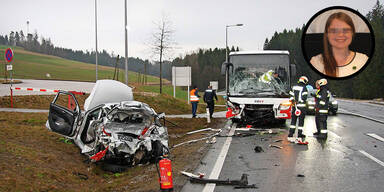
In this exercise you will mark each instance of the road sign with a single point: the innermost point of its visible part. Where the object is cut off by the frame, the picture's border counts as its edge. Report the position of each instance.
(8, 55)
(9, 67)
(181, 76)
(214, 84)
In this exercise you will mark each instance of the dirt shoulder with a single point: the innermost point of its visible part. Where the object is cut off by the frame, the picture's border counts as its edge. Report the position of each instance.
(161, 103)
(35, 159)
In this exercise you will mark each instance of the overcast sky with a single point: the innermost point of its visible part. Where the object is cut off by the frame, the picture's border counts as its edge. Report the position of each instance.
(197, 23)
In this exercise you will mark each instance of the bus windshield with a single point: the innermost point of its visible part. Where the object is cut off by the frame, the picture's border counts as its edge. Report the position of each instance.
(259, 74)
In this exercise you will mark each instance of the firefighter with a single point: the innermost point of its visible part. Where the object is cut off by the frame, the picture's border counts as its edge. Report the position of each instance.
(298, 98)
(321, 106)
(194, 98)
(209, 96)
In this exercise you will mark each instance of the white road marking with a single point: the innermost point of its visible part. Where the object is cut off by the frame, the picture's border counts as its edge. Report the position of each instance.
(375, 136)
(220, 161)
(334, 134)
(359, 115)
(372, 157)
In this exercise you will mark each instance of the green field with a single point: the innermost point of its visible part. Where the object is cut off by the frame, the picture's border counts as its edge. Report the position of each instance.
(31, 65)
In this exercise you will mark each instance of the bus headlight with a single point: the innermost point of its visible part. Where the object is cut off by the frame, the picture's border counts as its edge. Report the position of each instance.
(285, 105)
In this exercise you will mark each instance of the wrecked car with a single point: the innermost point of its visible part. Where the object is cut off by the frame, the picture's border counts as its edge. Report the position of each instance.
(332, 107)
(113, 128)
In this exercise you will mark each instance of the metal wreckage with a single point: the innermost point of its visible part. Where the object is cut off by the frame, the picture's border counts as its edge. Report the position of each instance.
(113, 128)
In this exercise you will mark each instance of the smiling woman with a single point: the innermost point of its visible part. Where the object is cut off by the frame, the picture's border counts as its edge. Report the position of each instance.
(345, 43)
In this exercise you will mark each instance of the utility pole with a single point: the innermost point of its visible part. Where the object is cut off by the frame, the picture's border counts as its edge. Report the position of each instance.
(96, 34)
(126, 45)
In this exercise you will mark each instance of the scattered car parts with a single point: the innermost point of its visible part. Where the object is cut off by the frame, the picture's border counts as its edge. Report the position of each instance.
(242, 183)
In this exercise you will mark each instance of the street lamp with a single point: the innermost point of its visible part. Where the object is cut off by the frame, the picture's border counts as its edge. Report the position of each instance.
(226, 53)
(226, 39)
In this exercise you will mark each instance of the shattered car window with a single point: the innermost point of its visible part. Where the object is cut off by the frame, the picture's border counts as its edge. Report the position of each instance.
(130, 117)
(259, 74)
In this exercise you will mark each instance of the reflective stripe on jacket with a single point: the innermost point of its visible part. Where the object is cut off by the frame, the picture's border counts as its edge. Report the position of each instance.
(193, 96)
(322, 100)
(299, 95)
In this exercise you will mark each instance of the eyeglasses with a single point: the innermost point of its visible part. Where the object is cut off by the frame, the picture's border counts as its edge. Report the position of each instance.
(340, 30)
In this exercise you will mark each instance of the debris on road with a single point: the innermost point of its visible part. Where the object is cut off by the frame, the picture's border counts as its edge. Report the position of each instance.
(264, 139)
(300, 175)
(211, 141)
(201, 130)
(196, 140)
(301, 142)
(276, 146)
(242, 183)
(279, 140)
(258, 149)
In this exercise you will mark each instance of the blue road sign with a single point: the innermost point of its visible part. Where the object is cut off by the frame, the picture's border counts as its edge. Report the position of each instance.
(8, 55)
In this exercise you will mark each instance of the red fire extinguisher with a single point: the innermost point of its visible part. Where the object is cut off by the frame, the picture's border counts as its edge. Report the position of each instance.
(165, 175)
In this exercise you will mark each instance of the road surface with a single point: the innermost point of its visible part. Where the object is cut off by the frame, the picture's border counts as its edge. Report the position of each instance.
(352, 158)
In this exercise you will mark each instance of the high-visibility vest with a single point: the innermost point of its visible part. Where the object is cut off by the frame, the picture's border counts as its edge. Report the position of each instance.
(193, 96)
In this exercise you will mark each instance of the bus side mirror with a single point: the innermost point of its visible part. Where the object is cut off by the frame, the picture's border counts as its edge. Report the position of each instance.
(226, 66)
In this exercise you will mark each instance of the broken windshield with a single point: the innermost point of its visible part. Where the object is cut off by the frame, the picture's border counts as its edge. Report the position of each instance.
(265, 74)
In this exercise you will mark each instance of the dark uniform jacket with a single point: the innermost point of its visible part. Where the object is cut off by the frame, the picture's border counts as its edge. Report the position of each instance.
(299, 95)
(322, 100)
(209, 95)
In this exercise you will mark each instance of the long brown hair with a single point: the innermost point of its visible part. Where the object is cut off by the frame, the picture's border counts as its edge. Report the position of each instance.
(328, 58)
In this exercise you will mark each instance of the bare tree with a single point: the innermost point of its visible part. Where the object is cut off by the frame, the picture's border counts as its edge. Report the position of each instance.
(162, 42)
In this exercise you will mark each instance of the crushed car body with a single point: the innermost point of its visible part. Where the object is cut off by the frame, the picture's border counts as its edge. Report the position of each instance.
(113, 128)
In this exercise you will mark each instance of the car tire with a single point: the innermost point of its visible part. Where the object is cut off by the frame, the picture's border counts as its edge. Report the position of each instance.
(114, 168)
(157, 148)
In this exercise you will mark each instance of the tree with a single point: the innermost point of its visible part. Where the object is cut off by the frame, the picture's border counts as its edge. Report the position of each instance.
(22, 37)
(12, 38)
(162, 42)
(17, 38)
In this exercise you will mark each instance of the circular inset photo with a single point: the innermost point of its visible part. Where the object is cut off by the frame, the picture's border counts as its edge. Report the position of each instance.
(338, 42)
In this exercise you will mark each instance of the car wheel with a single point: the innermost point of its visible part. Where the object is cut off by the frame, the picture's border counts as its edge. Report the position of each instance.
(114, 168)
(158, 150)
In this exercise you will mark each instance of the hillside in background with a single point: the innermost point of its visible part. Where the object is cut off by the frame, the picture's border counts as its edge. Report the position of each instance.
(32, 65)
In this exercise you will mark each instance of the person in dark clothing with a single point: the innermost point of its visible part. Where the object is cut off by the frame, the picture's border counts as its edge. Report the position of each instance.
(209, 96)
(298, 98)
(321, 106)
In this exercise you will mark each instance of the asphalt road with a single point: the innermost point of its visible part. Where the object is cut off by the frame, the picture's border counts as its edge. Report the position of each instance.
(349, 160)
(363, 107)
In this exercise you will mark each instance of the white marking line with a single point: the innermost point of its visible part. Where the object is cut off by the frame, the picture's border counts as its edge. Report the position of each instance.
(334, 134)
(375, 136)
(372, 157)
(220, 161)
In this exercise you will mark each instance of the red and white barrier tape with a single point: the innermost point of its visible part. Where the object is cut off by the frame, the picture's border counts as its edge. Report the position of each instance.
(34, 89)
(44, 90)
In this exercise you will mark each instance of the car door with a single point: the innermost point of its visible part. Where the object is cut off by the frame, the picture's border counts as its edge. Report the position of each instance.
(64, 112)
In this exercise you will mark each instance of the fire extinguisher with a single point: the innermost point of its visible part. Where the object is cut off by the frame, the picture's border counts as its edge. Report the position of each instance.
(165, 174)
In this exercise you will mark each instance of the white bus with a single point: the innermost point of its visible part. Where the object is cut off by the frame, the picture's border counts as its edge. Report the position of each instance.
(257, 86)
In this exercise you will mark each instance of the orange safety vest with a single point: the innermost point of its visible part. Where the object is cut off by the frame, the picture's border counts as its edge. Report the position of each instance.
(193, 96)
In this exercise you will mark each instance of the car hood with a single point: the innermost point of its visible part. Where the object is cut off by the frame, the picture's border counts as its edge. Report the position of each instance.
(108, 91)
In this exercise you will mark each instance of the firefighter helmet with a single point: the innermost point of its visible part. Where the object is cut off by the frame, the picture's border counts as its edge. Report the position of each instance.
(303, 79)
(323, 82)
